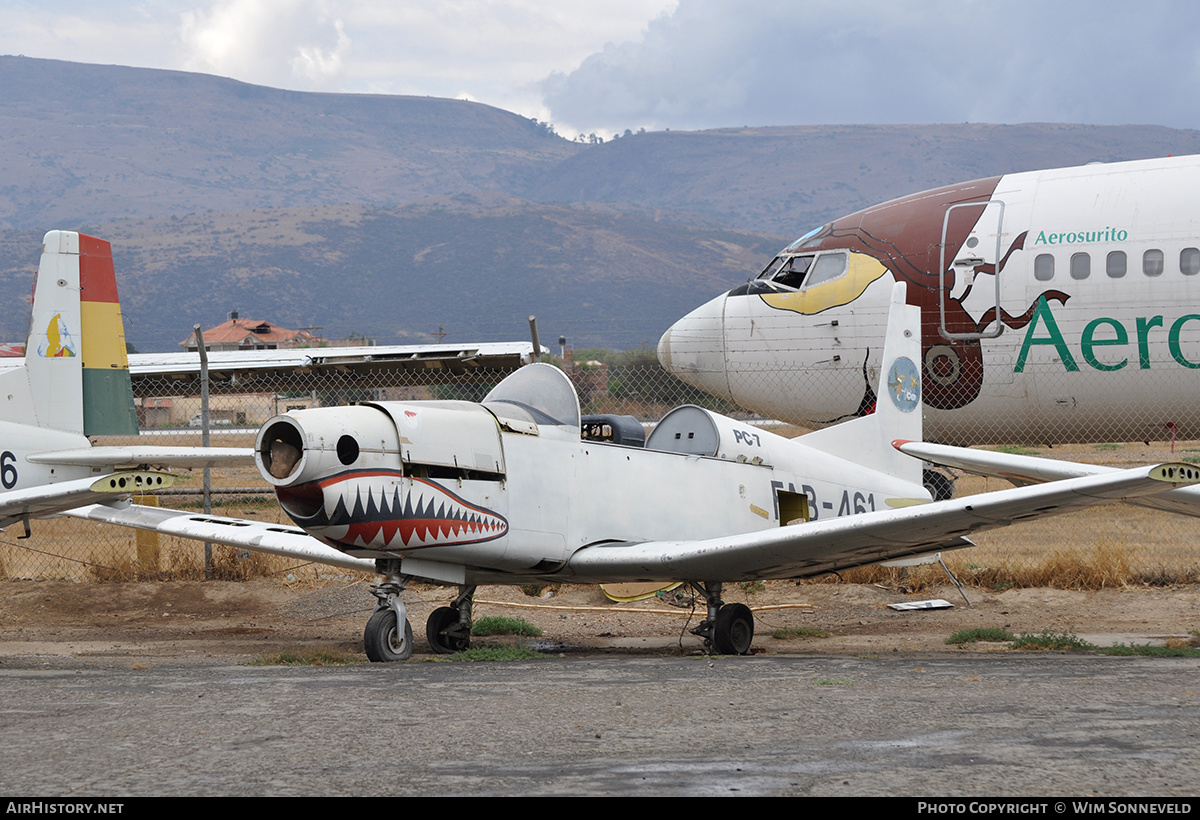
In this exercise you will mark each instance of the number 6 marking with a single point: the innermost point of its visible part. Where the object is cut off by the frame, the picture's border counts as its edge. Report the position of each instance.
(8, 470)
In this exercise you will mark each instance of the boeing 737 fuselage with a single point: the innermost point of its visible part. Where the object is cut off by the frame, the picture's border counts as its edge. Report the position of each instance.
(1059, 305)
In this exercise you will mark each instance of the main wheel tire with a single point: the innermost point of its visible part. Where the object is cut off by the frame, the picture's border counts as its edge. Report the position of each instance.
(385, 643)
(734, 630)
(939, 486)
(440, 620)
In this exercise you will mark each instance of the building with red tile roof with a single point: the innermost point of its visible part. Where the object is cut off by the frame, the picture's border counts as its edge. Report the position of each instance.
(252, 334)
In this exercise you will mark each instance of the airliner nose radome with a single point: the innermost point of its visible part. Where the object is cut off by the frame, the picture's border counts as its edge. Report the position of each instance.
(693, 349)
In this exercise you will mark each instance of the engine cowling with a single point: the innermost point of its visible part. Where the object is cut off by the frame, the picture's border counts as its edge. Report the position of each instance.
(388, 478)
(308, 445)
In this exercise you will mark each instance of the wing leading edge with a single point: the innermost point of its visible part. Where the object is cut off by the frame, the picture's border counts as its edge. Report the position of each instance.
(277, 539)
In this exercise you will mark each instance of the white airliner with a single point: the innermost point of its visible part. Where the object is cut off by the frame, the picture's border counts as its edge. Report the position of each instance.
(509, 491)
(1056, 306)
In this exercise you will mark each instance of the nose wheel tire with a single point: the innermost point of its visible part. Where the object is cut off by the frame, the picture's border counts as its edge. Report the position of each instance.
(383, 642)
(733, 631)
(446, 632)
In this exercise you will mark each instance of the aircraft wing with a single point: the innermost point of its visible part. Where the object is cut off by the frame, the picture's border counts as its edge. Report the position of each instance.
(795, 551)
(840, 543)
(1023, 470)
(278, 539)
(49, 499)
(121, 457)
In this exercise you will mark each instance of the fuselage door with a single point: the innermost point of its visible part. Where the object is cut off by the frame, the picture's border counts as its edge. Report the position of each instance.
(972, 233)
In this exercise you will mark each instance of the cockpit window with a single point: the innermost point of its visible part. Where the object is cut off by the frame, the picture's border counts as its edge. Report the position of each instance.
(804, 271)
(828, 266)
(788, 271)
(773, 268)
(541, 390)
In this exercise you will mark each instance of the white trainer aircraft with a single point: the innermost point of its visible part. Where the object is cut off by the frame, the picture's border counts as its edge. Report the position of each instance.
(509, 491)
(1055, 306)
(73, 384)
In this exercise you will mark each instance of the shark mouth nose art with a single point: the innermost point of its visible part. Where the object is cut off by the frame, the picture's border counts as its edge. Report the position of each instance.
(424, 515)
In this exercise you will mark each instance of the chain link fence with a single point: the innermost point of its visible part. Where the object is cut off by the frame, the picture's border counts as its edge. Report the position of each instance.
(1110, 545)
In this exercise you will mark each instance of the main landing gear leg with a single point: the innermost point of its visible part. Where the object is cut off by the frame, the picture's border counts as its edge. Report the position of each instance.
(449, 627)
(728, 629)
(388, 636)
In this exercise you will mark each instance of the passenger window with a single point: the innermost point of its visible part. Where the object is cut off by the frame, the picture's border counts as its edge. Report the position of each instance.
(1043, 267)
(1115, 264)
(828, 266)
(1152, 263)
(1081, 265)
(1189, 261)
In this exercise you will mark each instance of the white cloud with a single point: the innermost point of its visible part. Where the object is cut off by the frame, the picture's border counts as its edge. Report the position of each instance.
(290, 43)
(321, 65)
(712, 63)
(495, 51)
(608, 65)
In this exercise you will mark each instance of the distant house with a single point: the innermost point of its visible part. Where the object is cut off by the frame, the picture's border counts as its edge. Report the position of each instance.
(252, 334)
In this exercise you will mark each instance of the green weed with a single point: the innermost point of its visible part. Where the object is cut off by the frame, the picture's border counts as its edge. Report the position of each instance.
(1050, 641)
(1148, 651)
(503, 625)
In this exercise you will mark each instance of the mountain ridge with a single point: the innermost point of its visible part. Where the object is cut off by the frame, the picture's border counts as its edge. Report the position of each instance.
(389, 216)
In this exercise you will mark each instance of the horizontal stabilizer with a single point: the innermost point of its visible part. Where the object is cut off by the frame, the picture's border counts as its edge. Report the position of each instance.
(182, 457)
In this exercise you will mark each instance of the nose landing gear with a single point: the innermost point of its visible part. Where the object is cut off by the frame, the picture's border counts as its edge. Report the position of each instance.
(383, 641)
(388, 636)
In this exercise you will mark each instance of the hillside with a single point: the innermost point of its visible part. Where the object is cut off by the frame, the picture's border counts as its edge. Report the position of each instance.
(392, 216)
(477, 265)
(86, 143)
(786, 180)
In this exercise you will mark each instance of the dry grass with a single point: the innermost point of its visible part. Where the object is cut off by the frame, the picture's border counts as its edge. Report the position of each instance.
(66, 548)
(1101, 566)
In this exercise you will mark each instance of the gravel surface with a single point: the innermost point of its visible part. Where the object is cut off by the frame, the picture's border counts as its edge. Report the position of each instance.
(239, 620)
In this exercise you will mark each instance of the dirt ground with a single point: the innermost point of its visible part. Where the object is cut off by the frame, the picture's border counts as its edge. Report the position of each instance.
(57, 622)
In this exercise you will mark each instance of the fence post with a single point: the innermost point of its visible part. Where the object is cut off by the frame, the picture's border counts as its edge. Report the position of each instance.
(208, 565)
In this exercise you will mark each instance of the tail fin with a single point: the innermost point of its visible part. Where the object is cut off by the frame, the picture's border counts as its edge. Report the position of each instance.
(78, 372)
(868, 440)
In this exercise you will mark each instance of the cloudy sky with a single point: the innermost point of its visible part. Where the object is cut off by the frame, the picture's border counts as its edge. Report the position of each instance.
(604, 66)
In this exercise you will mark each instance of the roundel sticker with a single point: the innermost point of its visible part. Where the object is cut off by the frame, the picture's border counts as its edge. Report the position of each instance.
(904, 384)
